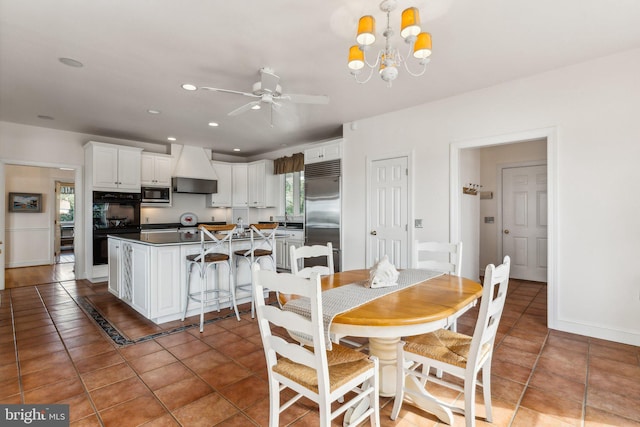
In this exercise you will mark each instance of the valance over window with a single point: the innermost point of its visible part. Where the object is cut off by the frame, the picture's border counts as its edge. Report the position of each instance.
(283, 165)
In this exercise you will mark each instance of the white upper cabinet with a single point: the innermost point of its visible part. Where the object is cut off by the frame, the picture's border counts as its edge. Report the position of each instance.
(262, 184)
(239, 185)
(113, 167)
(323, 152)
(156, 170)
(222, 198)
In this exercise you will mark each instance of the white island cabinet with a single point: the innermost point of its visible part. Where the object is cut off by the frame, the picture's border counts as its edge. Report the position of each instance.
(148, 272)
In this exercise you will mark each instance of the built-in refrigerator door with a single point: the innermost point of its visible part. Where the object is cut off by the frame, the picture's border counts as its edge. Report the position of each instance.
(322, 211)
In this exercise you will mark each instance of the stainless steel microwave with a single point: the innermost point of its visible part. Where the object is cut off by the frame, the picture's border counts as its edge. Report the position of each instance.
(156, 195)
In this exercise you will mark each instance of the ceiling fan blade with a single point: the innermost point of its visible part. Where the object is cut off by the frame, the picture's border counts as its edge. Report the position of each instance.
(269, 81)
(305, 99)
(237, 92)
(245, 107)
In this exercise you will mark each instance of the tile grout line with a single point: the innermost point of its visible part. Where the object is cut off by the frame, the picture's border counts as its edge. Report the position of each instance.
(535, 364)
(73, 362)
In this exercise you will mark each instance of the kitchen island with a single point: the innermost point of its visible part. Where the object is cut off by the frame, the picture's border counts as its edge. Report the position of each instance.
(148, 272)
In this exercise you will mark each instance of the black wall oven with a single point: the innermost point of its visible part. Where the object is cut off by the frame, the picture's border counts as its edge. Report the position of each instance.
(113, 213)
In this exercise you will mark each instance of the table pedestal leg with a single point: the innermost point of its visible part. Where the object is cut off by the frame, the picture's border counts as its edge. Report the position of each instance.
(428, 403)
(385, 349)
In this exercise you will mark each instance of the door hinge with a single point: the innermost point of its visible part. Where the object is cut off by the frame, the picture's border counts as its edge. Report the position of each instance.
(406, 171)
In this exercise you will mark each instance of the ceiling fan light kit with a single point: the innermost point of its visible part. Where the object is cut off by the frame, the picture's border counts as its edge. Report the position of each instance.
(389, 59)
(267, 91)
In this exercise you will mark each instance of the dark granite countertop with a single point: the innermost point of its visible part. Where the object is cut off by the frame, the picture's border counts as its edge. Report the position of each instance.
(174, 238)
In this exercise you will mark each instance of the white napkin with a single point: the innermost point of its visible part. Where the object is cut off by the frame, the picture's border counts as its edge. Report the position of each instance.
(383, 274)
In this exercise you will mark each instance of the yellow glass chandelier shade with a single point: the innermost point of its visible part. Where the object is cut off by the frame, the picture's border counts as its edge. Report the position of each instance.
(356, 58)
(410, 22)
(422, 46)
(366, 30)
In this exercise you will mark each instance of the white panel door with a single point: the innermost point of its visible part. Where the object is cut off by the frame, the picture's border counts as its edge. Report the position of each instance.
(3, 210)
(524, 221)
(388, 212)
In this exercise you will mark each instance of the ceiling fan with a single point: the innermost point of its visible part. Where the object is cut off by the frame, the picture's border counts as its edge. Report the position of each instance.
(268, 91)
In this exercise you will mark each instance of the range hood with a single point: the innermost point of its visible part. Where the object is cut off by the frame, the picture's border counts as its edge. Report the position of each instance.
(194, 185)
(192, 171)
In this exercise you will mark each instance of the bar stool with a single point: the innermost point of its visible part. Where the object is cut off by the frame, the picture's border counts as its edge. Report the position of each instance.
(212, 254)
(263, 240)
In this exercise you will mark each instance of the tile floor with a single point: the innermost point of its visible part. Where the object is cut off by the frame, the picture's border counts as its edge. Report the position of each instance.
(52, 352)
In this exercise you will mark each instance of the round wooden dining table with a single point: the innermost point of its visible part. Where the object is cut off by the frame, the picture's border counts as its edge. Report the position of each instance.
(430, 305)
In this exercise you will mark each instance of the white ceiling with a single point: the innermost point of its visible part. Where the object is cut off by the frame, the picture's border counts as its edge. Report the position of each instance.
(136, 54)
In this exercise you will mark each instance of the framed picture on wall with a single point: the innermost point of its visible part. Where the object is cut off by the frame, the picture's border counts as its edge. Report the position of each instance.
(25, 202)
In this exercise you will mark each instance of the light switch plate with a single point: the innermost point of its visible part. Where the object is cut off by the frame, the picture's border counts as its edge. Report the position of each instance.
(418, 223)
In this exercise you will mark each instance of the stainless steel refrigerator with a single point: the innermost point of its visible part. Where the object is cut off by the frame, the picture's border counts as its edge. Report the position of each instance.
(322, 186)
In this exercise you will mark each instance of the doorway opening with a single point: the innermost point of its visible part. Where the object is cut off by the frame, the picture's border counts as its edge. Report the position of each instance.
(32, 242)
(64, 223)
(546, 140)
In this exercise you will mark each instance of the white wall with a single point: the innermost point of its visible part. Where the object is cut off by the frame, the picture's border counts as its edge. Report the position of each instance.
(29, 235)
(594, 108)
(490, 159)
(470, 205)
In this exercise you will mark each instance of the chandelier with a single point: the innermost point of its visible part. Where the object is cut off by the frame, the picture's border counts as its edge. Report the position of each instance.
(389, 59)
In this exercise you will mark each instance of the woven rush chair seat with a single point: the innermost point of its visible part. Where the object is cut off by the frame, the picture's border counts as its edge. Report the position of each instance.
(344, 364)
(443, 345)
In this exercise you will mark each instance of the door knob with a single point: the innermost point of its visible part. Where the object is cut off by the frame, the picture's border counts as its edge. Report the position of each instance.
(374, 233)
(506, 231)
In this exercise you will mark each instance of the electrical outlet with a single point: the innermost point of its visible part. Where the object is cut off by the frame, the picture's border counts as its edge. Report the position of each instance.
(418, 223)
(146, 218)
(213, 218)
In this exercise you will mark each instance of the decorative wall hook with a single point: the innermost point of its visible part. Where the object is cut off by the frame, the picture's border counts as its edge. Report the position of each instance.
(471, 189)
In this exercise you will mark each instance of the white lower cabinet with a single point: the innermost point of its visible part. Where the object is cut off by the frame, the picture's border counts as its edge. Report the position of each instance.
(134, 273)
(283, 258)
(166, 292)
(114, 267)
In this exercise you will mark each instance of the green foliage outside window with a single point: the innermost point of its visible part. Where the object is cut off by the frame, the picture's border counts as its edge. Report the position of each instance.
(294, 193)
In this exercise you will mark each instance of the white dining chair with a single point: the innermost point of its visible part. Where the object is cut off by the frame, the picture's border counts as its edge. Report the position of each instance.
(459, 355)
(439, 256)
(299, 254)
(325, 377)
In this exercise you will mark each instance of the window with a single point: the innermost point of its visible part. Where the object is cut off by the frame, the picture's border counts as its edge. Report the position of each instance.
(67, 203)
(294, 193)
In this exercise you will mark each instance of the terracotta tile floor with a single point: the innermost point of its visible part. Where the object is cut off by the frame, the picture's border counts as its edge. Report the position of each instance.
(52, 352)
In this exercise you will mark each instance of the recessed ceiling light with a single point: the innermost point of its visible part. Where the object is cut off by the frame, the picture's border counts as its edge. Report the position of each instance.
(213, 124)
(171, 138)
(189, 86)
(71, 62)
(256, 107)
(153, 111)
(43, 117)
(236, 149)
